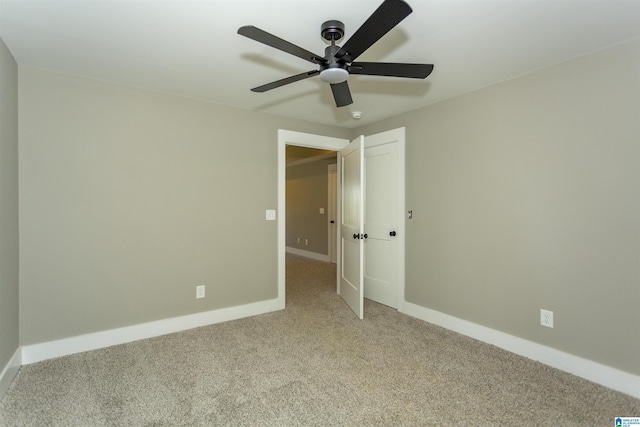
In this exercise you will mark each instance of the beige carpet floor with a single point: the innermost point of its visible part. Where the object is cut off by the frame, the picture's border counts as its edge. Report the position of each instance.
(313, 364)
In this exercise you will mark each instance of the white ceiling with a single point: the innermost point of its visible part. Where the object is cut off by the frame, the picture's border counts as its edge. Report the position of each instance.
(191, 48)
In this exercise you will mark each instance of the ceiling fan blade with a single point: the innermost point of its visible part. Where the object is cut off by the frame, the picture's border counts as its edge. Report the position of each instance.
(270, 40)
(285, 81)
(386, 16)
(341, 94)
(391, 69)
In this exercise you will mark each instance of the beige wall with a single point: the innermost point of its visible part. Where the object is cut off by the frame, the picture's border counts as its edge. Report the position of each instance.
(9, 252)
(526, 195)
(307, 192)
(129, 199)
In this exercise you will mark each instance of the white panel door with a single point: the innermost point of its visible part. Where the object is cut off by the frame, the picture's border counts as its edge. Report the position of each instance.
(352, 225)
(381, 224)
(384, 218)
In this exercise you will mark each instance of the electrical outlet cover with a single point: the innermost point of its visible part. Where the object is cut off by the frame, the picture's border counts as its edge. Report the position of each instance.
(546, 318)
(200, 291)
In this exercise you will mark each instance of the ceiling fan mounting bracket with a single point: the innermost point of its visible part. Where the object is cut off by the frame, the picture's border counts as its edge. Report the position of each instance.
(332, 30)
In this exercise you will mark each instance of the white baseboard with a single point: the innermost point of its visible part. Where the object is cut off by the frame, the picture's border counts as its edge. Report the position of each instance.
(308, 254)
(607, 376)
(601, 374)
(63, 347)
(9, 372)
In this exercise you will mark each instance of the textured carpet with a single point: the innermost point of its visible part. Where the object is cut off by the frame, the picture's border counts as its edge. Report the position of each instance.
(311, 364)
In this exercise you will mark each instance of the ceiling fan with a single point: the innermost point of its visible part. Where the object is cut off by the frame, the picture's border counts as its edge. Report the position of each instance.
(338, 62)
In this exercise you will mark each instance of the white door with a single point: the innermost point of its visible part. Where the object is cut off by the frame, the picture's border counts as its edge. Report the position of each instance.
(380, 224)
(352, 225)
(333, 213)
(383, 217)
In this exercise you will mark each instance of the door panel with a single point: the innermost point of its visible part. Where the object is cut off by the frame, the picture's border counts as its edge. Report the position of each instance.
(352, 224)
(381, 218)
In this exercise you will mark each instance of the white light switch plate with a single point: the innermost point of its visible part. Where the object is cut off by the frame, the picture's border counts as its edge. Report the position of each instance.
(271, 215)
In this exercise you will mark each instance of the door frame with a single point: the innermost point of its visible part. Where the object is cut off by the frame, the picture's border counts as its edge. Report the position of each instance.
(300, 139)
(332, 203)
(287, 137)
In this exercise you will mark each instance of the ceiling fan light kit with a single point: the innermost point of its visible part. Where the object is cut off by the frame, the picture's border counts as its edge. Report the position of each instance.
(339, 62)
(334, 75)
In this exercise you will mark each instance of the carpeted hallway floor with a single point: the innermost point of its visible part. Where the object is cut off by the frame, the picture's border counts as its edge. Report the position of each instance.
(311, 364)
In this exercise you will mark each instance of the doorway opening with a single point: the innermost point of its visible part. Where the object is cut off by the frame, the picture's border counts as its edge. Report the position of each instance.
(297, 139)
(384, 224)
(310, 202)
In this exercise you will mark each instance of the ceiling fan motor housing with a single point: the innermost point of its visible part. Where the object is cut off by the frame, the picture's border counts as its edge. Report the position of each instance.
(333, 71)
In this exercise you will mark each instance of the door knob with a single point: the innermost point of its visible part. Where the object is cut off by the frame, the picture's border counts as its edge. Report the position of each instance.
(392, 234)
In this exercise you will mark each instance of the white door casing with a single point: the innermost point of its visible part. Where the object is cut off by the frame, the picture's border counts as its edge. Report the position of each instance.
(287, 137)
(351, 267)
(332, 203)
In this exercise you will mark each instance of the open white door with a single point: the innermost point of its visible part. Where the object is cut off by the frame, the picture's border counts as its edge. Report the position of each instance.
(384, 218)
(352, 225)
